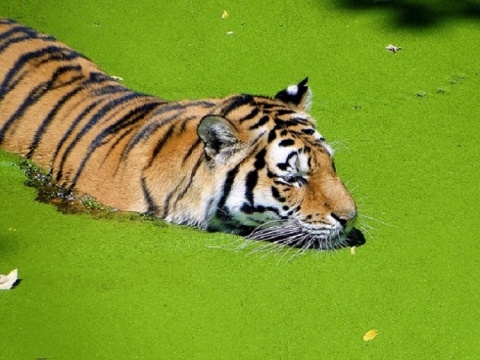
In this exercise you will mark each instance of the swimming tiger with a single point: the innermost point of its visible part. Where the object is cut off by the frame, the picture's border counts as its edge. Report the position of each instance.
(243, 164)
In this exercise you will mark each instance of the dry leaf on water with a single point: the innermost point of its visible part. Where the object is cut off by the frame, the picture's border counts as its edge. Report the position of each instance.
(7, 281)
(370, 335)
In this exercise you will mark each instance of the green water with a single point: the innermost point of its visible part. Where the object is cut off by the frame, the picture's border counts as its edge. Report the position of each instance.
(405, 129)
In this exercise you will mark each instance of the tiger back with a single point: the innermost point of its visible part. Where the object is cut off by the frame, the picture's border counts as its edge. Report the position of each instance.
(243, 164)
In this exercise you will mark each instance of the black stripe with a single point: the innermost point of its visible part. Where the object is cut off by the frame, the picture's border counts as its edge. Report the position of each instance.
(237, 102)
(193, 173)
(29, 35)
(167, 107)
(301, 121)
(96, 78)
(68, 133)
(254, 144)
(191, 150)
(122, 136)
(260, 159)
(166, 204)
(286, 142)
(147, 132)
(31, 98)
(290, 156)
(250, 115)
(309, 131)
(183, 125)
(142, 135)
(17, 28)
(54, 53)
(288, 123)
(272, 135)
(276, 194)
(131, 118)
(271, 106)
(249, 209)
(227, 187)
(168, 199)
(7, 21)
(109, 89)
(147, 196)
(250, 183)
(130, 129)
(115, 144)
(284, 166)
(222, 211)
(160, 144)
(34, 96)
(260, 122)
(41, 130)
(99, 115)
(284, 112)
(151, 128)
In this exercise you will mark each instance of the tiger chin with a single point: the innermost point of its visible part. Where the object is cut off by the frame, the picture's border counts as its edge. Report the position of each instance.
(245, 164)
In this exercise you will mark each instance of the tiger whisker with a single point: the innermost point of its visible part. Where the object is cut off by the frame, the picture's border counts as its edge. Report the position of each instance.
(228, 246)
(275, 249)
(279, 244)
(286, 247)
(289, 249)
(273, 245)
(377, 220)
(267, 224)
(300, 251)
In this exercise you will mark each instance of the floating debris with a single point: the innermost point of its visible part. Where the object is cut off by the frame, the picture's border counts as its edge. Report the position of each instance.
(7, 281)
(229, 32)
(370, 335)
(392, 48)
(117, 78)
(225, 14)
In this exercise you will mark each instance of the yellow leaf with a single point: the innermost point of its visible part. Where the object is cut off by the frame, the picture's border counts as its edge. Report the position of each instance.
(224, 14)
(370, 335)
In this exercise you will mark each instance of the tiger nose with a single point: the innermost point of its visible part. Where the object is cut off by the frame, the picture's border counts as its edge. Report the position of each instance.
(345, 218)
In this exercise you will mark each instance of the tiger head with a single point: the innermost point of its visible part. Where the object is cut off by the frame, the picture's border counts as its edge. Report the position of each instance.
(279, 180)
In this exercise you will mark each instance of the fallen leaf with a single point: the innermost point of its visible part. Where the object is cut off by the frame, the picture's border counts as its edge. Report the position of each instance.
(392, 48)
(370, 335)
(224, 14)
(7, 281)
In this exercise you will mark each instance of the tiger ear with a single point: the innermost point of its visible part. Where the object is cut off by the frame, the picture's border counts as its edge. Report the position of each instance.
(217, 133)
(298, 95)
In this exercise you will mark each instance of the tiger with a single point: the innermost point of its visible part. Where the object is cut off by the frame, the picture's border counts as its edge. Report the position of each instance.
(243, 164)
